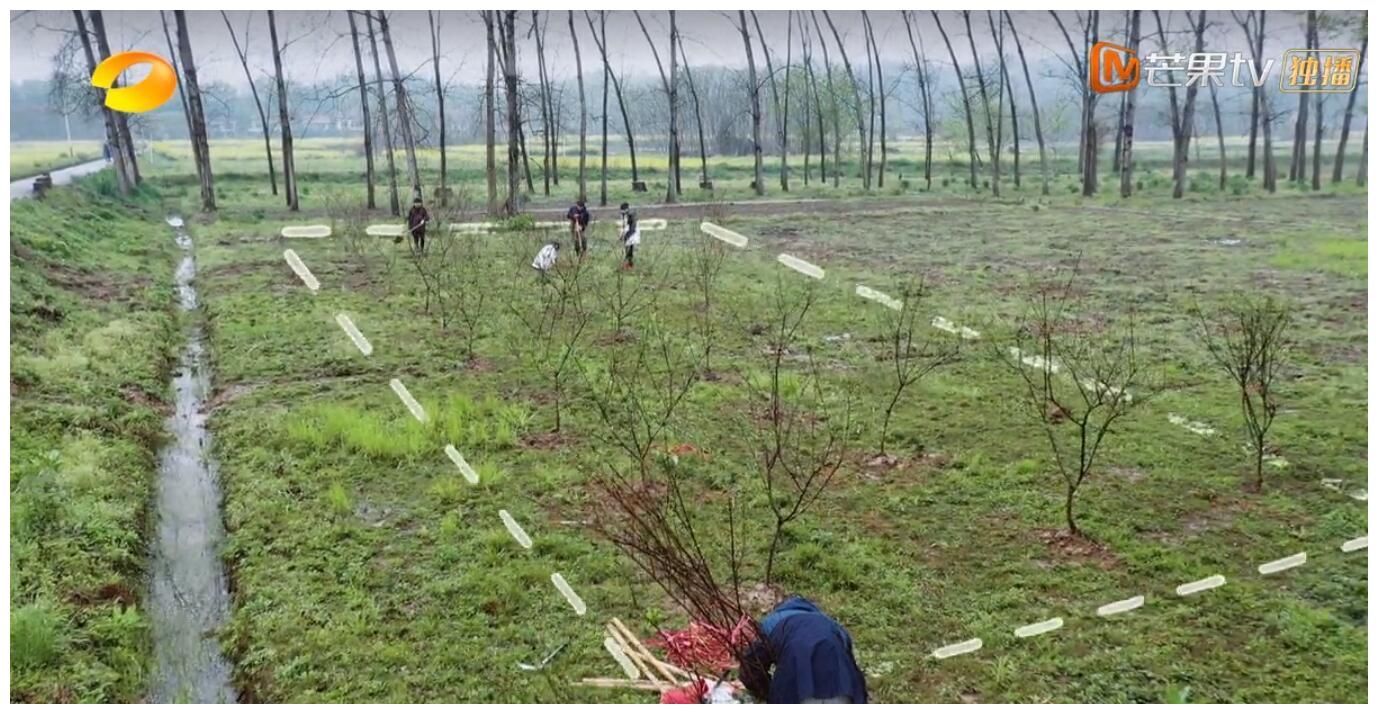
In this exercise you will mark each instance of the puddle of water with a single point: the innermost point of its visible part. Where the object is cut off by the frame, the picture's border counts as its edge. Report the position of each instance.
(188, 594)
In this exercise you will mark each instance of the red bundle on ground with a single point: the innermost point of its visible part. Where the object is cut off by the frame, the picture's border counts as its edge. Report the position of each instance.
(691, 693)
(702, 647)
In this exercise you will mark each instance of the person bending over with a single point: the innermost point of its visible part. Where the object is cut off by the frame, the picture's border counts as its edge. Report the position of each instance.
(811, 654)
(578, 216)
(545, 260)
(631, 237)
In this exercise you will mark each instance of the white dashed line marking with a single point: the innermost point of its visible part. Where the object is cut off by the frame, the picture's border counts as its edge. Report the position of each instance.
(1282, 564)
(730, 237)
(470, 474)
(574, 600)
(623, 661)
(1039, 628)
(1197, 586)
(413, 406)
(1119, 606)
(880, 297)
(355, 335)
(306, 231)
(960, 648)
(800, 265)
(303, 272)
(1354, 544)
(515, 529)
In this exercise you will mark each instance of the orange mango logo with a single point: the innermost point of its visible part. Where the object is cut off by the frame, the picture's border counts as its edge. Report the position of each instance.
(1113, 68)
(149, 94)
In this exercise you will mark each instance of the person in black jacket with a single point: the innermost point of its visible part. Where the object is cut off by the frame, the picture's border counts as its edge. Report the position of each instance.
(417, 218)
(578, 216)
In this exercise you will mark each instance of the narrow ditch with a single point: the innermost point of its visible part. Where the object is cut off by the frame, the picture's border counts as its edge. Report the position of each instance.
(188, 594)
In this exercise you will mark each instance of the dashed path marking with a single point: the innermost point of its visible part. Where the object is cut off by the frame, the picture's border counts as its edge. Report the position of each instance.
(959, 648)
(800, 265)
(572, 597)
(413, 406)
(1119, 606)
(355, 335)
(1197, 586)
(1281, 564)
(303, 272)
(317, 231)
(880, 297)
(732, 238)
(518, 533)
(1038, 628)
(470, 474)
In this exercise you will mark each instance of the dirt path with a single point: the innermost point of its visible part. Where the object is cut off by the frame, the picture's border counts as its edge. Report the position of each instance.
(768, 207)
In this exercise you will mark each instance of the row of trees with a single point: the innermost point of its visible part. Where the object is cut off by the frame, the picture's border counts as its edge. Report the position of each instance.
(796, 104)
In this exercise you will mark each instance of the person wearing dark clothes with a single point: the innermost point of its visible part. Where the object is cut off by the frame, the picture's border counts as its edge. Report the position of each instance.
(812, 656)
(631, 236)
(578, 216)
(417, 218)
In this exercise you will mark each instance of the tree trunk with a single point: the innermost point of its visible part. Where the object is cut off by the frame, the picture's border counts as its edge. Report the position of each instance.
(698, 115)
(490, 159)
(1179, 163)
(1033, 104)
(966, 99)
(1014, 109)
(856, 99)
(1119, 135)
(508, 29)
(1297, 170)
(1270, 174)
(758, 184)
(440, 100)
(177, 70)
(1126, 159)
(778, 110)
(393, 200)
(985, 104)
(832, 101)
(404, 119)
(1254, 105)
(1338, 173)
(200, 143)
(583, 110)
(880, 84)
(289, 173)
(921, 71)
(672, 194)
(1219, 137)
(602, 43)
(1087, 113)
(112, 134)
(1090, 182)
(547, 120)
(1361, 178)
(668, 85)
(121, 119)
(370, 174)
(1316, 150)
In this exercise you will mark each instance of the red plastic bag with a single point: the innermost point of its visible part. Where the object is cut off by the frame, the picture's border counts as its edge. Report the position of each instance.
(692, 693)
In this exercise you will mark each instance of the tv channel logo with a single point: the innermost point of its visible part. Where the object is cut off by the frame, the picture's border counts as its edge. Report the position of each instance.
(1113, 68)
(146, 95)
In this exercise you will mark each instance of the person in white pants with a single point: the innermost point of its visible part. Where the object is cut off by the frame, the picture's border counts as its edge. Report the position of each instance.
(545, 260)
(631, 236)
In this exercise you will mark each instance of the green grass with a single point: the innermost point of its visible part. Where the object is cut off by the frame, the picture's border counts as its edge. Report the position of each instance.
(91, 333)
(30, 158)
(367, 569)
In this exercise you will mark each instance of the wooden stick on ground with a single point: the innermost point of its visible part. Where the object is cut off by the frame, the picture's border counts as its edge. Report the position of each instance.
(666, 669)
(642, 658)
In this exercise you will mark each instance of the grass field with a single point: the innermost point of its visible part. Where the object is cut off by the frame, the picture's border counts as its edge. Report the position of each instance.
(30, 158)
(364, 567)
(367, 569)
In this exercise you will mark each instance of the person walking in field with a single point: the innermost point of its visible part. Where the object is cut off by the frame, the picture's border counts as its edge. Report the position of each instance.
(578, 216)
(631, 236)
(417, 218)
(811, 654)
(545, 260)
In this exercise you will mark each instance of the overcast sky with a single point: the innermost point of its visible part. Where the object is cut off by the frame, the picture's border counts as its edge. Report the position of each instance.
(319, 45)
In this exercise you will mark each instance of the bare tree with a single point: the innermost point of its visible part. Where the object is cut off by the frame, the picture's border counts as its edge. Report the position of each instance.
(1361, 176)
(490, 115)
(68, 85)
(669, 84)
(186, 108)
(200, 144)
(910, 361)
(1256, 49)
(1033, 103)
(966, 98)
(121, 119)
(124, 182)
(1338, 173)
(507, 23)
(1297, 170)
(242, 53)
(583, 109)
(1086, 159)
(778, 110)
(1078, 380)
(985, 104)
(393, 201)
(601, 40)
(369, 176)
(832, 102)
(754, 89)
(1126, 132)
(404, 118)
(856, 100)
(289, 170)
(1008, 88)
(1249, 340)
(607, 72)
(921, 73)
(704, 181)
(806, 47)
(1179, 159)
(440, 101)
(880, 84)
(543, 89)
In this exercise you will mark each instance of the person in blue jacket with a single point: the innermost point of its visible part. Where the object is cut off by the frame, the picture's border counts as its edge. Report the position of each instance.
(812, 656)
